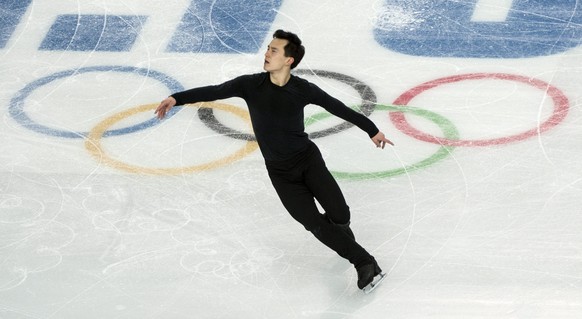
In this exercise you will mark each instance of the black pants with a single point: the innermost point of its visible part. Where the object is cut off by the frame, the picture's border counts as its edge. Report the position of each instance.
(301, 180)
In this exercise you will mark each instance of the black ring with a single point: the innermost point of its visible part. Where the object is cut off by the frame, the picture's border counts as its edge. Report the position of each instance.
(368, 105)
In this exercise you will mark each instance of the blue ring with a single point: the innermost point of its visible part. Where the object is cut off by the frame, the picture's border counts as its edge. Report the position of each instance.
(16, 108)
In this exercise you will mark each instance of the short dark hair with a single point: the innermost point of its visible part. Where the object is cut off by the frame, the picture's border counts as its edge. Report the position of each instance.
(294, 48)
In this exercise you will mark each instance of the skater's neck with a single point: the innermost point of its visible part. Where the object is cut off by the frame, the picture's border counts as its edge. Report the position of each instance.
(280, 78)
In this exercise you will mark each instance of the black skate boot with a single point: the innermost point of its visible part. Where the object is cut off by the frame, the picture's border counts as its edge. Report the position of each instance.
(369, 275)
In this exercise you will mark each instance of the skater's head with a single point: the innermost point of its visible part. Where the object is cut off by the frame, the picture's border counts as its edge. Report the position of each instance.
(285, 48)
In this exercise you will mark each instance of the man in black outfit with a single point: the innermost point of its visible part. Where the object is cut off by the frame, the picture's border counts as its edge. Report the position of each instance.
(276, 101)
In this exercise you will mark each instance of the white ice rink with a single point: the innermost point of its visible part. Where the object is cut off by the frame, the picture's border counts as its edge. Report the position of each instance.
(476, 212)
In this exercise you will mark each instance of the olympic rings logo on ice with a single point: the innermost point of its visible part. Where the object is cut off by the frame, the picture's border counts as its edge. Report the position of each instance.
(93, 143)
(369, 104)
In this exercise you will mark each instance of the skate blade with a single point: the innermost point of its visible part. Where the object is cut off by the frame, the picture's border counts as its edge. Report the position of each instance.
(374, 284)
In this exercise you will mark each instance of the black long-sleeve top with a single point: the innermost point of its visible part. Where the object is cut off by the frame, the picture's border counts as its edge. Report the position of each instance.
(277, 113)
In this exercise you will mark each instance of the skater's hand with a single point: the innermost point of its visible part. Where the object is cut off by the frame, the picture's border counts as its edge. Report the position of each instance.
(165, 106)
(380, 140)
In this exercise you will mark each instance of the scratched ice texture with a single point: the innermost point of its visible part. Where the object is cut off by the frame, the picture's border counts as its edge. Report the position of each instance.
(175, 219)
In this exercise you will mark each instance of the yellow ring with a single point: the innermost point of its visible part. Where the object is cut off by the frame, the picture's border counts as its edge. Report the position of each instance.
(93, 143)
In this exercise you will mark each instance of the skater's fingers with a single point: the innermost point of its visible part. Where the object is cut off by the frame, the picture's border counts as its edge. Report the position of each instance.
(165, 106)
(380, 140)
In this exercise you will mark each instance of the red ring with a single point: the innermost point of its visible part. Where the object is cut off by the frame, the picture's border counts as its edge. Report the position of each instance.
(561, 106)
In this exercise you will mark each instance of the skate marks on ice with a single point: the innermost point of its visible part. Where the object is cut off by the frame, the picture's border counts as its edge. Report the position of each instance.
(202, 227)
(33, 237)
(108, 221)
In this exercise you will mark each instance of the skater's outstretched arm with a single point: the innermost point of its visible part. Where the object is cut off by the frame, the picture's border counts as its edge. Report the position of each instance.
(228, 89)
(339, 109)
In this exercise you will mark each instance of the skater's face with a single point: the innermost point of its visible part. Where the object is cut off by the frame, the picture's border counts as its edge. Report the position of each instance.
(275, 59)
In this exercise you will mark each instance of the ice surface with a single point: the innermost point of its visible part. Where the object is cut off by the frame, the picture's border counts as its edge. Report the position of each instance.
(153, 223)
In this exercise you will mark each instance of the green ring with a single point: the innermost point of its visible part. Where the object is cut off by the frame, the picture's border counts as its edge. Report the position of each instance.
(448, 128)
